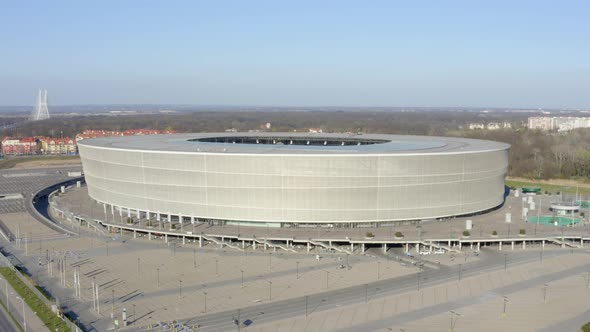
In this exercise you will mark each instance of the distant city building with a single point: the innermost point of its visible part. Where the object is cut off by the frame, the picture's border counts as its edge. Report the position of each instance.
(473, 126)
(64, 145)
(86, 134)
(559, 123)
(19, 146)
(490, 126)
(265, 126)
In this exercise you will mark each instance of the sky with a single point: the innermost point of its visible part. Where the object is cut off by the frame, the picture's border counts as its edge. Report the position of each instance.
(531, 54)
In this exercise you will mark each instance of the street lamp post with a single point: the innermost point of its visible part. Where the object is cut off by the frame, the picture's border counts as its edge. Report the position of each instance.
(205, 301)
(544, 293)
(270, 290)
(454, 317)
(138, 268)
(242, 271)
(418, 275)
(297, 269)
(460, 271)
(505, 262)
(194, 257)
(134, 312)
(6, 290)
(158, 276)
(113, 303)
(306, 302)
(24, 318)
(366, 293)
(180, 288)
(327, 278)
(504, 310)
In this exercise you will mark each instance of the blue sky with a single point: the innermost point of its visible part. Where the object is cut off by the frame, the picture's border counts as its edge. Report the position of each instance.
(311, 53)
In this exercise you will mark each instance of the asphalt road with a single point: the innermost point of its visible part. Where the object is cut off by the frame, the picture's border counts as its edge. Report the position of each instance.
(490, 260)
(6, 324)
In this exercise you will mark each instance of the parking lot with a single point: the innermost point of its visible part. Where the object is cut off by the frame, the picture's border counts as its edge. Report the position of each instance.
(15, 184)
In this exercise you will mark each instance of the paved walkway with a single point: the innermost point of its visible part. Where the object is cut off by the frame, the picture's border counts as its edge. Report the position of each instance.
(478, 300)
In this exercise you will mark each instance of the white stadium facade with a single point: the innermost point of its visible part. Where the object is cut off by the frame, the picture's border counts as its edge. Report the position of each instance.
(290, 179)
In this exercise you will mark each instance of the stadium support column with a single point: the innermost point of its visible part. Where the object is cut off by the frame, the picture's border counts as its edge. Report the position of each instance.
(351, 247)
(362, 248)
(500, 246)
(384, 248)
(478, 245)
(200, 242)
(166, 238)
(170, 220)
(407, 247)
(150, 236)
(138, 213)
(512, 245)
(183, 240)
(135, 234)
(543, 243)
(523, 245)
(417, 247)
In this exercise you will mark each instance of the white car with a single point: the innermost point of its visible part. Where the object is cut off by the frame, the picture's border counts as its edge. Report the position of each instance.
(439, 251)
(424, 252)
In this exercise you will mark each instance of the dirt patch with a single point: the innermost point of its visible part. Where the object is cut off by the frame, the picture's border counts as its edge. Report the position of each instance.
(46, 163)
(39, 161)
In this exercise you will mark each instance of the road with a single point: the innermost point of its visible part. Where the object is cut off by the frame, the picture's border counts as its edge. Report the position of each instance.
(6, 324)
(490, 260)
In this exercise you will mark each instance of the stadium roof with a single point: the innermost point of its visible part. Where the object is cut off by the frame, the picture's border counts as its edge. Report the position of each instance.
(296, 143)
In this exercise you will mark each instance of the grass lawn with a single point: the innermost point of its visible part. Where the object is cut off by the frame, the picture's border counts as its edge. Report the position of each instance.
(586, 327)
(552, 188)
(35, 303)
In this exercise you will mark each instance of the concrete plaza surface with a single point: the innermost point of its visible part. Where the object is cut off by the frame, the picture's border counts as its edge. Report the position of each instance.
(552, 295)
(77, 201)
(158, 282)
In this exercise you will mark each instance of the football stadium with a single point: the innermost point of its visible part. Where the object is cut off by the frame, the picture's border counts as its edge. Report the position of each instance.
(295, 179)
